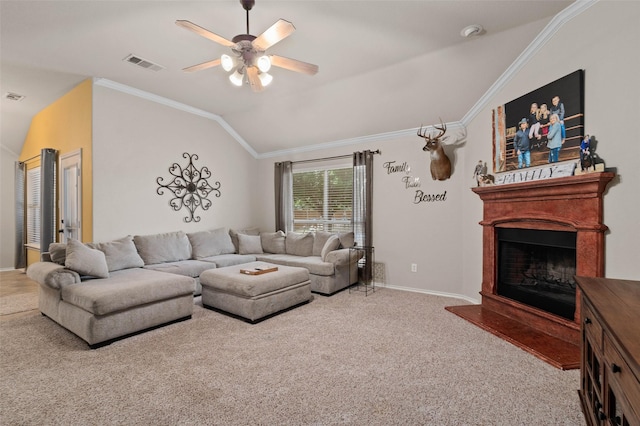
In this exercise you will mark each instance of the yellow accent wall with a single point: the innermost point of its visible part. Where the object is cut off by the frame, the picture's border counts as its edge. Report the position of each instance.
(66, 125)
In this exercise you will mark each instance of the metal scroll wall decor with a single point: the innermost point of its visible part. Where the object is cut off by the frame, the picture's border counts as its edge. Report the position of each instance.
(189, 187)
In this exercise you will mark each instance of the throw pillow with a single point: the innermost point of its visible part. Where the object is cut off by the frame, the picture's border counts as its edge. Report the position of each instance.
(161, 248)
(249, 244)
(247, 231)
(319, 239)
(299, 244)
(347, 239)
(58, 252)
(211, 243)
(273, 242)
(85, 260)
(333, 243)
(120, 254)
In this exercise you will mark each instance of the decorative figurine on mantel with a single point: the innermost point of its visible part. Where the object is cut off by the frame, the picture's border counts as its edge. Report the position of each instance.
(480, 175)
(589, 160)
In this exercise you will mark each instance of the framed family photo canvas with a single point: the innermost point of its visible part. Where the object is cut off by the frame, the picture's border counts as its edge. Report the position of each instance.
(531, 115)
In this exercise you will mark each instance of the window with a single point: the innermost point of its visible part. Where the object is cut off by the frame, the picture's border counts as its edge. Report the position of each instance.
(33, 207)
(322, 199)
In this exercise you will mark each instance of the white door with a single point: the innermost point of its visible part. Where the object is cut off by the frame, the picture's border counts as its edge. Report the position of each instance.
(70, 196)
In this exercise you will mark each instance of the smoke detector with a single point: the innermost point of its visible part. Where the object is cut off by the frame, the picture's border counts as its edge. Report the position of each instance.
(472, 31)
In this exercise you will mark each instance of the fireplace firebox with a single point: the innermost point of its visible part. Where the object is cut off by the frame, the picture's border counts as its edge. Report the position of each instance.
(537, 268)
(537, 236)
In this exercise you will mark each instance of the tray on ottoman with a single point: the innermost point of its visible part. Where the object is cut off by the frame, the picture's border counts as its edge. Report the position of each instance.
(255, 297)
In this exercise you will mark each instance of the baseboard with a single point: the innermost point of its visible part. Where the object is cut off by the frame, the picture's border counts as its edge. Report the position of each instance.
(431, 292)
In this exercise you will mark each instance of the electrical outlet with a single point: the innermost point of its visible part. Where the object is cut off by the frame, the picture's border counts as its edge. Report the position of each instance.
(414, 267)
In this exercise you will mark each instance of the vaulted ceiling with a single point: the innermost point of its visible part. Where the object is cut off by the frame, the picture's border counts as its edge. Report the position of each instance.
(384, 65)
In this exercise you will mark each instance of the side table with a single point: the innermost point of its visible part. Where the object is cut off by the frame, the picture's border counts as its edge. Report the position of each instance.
(362, 271)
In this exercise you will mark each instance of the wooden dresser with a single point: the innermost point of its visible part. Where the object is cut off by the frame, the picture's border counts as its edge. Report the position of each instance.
(610, 363)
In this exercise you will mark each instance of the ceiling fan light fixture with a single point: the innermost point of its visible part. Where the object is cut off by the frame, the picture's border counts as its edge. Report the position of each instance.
(264, 63)
(265, 78)
(236, 78)
(227, 62)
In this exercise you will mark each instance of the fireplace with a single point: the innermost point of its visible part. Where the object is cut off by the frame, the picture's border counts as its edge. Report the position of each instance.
(537, 268)
(537, 236)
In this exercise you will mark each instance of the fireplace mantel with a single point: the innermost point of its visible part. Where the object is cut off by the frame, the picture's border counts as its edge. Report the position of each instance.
(573, 204)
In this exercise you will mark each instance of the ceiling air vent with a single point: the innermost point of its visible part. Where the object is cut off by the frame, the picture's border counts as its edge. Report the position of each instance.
(143, 63)
(13, 96)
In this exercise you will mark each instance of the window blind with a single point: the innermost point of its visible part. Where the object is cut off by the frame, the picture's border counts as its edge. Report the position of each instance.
(322, 199)
(33, 206)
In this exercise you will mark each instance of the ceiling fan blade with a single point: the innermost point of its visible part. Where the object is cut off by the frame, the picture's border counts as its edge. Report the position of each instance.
(204, 33)
(254, 80)
(275, 33)
(293, 65)
(202, 66)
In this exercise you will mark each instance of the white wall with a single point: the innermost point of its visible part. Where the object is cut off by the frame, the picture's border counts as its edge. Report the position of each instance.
(602, 41)
(135, 141)
(7, 208)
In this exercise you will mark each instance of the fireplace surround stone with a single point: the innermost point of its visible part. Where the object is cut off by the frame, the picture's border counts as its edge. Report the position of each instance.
(571, 204)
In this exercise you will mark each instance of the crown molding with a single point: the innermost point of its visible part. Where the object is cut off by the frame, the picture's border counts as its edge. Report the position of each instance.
(9, 150)
(397, 134)
(103, 82)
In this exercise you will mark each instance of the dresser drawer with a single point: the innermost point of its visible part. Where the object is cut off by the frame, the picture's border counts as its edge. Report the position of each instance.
(592, 326)
(620, 376)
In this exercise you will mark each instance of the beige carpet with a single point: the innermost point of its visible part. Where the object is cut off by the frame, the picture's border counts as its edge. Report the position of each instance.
(392, 358)
(18, 303)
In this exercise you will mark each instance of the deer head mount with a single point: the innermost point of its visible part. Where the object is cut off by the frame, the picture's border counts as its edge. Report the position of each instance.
(440, 163)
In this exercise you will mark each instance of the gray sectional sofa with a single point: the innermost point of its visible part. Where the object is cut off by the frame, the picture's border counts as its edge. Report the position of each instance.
(105, 291)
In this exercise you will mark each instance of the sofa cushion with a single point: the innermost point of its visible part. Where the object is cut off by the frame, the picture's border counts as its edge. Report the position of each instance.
(188, 268)
(211, 243)
(120, 253)
(126, 289)
(319, 239)
(273, 242)
(299, 244)
(85, 260)
(246, 231)
(347, 239)
(58, 253)
(223, 260)
(249, 244)
(332, 243)
(160, 248)
(314, 264)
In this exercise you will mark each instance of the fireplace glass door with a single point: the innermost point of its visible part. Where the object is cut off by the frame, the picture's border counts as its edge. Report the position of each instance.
(537, 268)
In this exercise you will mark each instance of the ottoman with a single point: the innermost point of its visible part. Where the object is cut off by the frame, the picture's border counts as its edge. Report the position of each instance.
(255, 297)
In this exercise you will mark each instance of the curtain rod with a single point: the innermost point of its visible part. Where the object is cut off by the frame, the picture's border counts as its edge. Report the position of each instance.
(377, 151)
(32, 158)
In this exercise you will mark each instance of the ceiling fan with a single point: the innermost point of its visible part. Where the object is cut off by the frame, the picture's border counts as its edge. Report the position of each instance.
(249, 53)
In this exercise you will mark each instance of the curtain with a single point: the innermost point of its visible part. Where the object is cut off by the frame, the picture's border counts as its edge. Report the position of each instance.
(283, 180)
(20, 260)
(362, 205)
(48, 159)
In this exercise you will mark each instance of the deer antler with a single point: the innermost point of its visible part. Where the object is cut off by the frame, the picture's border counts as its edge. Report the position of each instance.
(428, 137)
